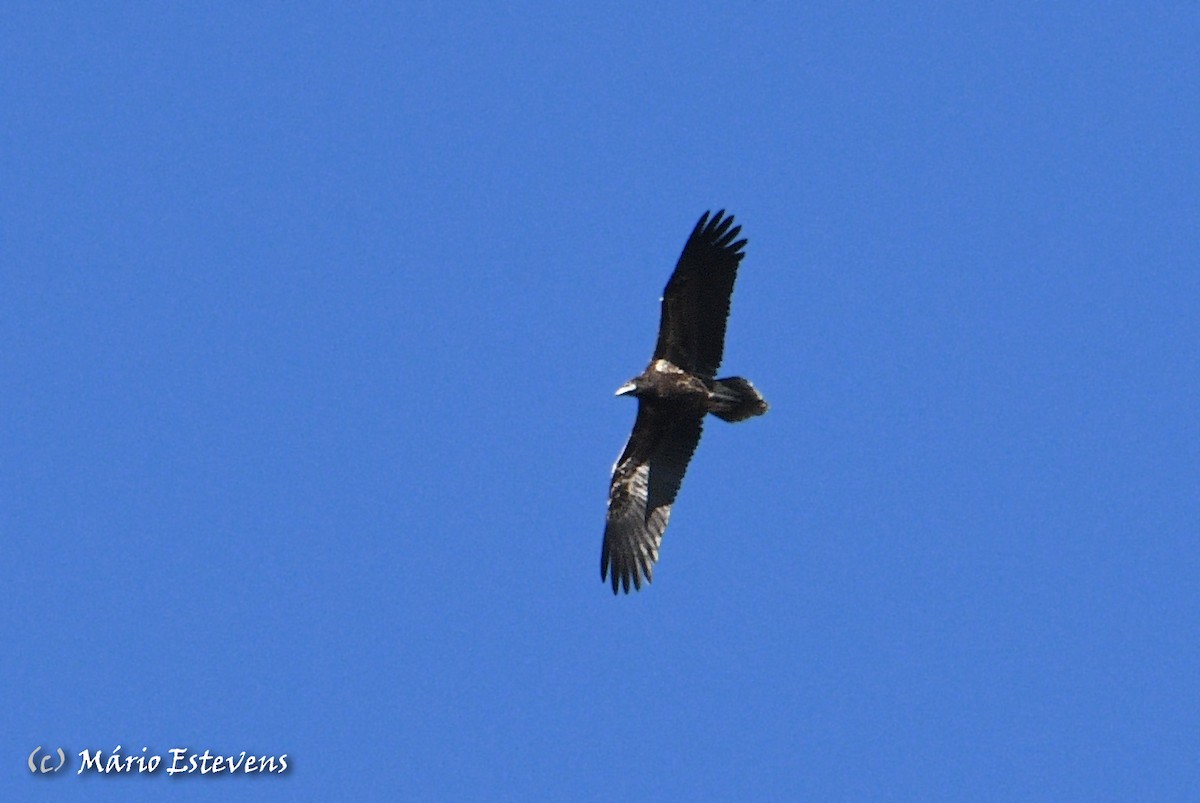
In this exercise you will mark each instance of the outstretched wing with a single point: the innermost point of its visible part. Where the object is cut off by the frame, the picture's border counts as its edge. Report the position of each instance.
(695, 305)
(644, 484)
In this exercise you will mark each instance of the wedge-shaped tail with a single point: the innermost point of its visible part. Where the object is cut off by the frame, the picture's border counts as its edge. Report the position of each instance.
(735, 399)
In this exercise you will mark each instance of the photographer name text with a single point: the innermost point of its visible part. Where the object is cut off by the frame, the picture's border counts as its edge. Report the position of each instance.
(179, 761)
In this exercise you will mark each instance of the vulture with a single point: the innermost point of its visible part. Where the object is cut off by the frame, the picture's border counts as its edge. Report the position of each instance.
(676, 391)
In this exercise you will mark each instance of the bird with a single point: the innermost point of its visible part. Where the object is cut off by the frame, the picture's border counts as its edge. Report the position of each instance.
(674, 394)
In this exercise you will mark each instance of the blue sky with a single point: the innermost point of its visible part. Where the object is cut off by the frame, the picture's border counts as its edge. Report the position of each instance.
(312, 320)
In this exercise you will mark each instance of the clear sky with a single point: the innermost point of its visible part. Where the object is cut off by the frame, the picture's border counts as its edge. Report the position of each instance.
(312, 317)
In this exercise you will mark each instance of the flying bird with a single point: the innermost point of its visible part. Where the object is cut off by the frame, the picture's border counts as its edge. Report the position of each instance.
(674, 394)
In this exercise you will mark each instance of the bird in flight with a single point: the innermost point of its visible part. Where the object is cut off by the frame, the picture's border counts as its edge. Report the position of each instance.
(674, 394)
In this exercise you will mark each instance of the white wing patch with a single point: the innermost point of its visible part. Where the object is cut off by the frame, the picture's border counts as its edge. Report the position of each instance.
(667, 367)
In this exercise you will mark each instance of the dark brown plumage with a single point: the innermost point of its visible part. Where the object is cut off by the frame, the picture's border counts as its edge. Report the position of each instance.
(674, 394)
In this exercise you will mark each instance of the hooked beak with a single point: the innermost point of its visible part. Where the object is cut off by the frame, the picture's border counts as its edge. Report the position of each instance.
(626, 389)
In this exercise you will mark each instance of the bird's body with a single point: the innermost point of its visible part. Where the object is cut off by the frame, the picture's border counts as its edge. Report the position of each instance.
(674, 394)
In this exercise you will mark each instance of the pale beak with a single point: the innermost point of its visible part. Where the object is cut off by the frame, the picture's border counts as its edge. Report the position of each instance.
(628, 387)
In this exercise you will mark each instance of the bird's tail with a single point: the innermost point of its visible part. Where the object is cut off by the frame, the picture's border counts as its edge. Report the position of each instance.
(735, 399)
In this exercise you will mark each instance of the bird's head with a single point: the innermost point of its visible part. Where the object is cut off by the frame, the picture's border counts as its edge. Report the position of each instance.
(631, 388)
